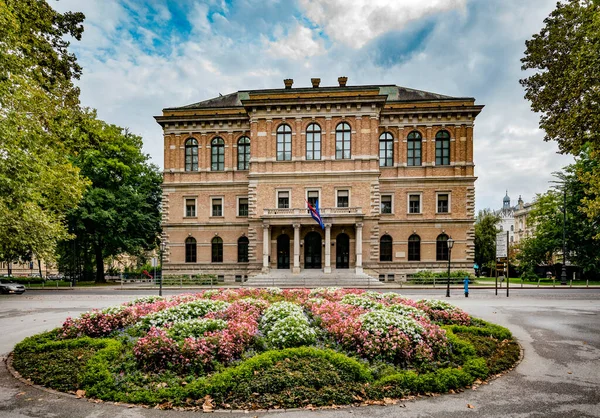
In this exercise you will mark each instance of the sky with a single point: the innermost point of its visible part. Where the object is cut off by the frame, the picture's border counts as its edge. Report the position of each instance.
(140, 56)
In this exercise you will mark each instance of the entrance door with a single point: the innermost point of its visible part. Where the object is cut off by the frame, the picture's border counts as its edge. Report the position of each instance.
(312, 251)
(342, 252)
(283, 252)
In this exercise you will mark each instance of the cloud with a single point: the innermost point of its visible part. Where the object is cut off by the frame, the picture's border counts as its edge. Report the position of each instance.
(141, 56)
(299, 44)
(355, 23)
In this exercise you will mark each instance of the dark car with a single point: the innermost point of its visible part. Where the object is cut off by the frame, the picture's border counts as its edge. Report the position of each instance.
(7, 286)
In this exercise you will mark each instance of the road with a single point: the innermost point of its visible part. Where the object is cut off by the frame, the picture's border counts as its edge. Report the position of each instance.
(559, 330)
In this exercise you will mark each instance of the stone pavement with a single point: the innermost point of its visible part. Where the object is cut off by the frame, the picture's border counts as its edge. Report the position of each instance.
(559, 330)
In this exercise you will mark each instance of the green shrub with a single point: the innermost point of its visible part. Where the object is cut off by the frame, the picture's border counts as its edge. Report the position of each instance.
(483, 328)
(61, 364)
(282, 377)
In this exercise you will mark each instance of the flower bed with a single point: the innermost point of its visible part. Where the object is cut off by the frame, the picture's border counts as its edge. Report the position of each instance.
(215, 345)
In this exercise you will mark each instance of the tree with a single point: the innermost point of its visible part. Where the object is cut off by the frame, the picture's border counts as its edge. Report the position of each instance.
(582, 248)
(565, 87)
(485, 237)
(38, 110)
(120, 212)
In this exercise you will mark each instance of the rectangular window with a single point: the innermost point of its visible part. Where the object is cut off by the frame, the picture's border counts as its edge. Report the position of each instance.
(190, 208)
(442, 152)
(342, 198)
(414, 152)
(283, 200)
(243, 206)
(312, 197)
(443, 203)
(217, 207)
(414, 203)
(386, 203)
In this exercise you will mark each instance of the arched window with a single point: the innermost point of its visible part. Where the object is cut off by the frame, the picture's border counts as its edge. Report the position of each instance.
(386, 150)
(313, 142)
(243, 148)
(442, 148)
(414, 248)
(414, 148)
(217, 155)
(190, 250)
(243, 250)
(385, 248)
(441, 248)
(342, 141)
(284, 143)
(191, 155)
(217, 250)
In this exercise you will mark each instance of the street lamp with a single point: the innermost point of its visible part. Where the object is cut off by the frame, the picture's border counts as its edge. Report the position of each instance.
(563, 274)
(163, 247)
(450, 243)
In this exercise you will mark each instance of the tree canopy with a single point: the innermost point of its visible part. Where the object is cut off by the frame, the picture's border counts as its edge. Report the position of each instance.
(565, 87)
(120, 212)
(485, 237)
(38, 108)
(582, 246)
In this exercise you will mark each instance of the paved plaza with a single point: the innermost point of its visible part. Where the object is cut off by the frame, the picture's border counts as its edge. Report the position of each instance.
(559, 376)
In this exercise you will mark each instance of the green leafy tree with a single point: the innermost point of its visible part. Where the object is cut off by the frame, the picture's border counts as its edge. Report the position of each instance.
(565, 87)
(547, 215)
(486, 228)
(38, 109)
(120, 212)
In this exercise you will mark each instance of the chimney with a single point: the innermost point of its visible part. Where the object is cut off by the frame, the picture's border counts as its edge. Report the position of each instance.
(342, 81)
(288, 83)
(315, 82)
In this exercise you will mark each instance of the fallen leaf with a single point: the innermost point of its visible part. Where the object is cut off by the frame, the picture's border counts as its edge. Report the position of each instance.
(390, 401)
(80, 393)
(570, 372)
(208, 405)
(470, 406)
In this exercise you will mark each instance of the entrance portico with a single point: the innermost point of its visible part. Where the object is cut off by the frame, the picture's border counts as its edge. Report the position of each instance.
(312, 246)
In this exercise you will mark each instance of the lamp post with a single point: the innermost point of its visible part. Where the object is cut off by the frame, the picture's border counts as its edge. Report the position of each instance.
(163, 247)
(563, 274)
(450, 243)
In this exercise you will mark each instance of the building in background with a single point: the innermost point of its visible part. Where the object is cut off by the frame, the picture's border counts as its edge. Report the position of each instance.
(523, 227)
(391, 168)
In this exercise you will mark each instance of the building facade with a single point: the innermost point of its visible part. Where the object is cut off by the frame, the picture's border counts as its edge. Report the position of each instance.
(391, 168)
(524, 228)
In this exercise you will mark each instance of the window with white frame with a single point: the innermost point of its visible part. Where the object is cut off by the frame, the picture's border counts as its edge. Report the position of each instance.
(242, 206)
(190, 207)
(414, 203)
(343, 198)
(443, 203)
(217, 206)
(283, 199)
(386, 203)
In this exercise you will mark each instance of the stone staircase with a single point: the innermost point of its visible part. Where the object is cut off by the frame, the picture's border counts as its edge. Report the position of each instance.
(313, 278)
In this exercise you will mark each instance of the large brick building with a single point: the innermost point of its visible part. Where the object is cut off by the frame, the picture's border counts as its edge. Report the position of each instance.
(391, 167)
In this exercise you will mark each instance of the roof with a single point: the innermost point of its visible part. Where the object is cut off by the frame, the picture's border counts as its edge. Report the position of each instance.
(394, 94)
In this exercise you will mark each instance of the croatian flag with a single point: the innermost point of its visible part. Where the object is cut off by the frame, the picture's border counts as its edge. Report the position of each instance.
(314, 212)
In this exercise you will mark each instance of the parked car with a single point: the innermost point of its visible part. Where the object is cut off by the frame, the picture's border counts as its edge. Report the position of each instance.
(7, 286)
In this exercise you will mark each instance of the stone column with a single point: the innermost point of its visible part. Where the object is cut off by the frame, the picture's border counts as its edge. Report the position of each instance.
(358, 267)
(327, 269)
(296, 268)
(266, 249)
